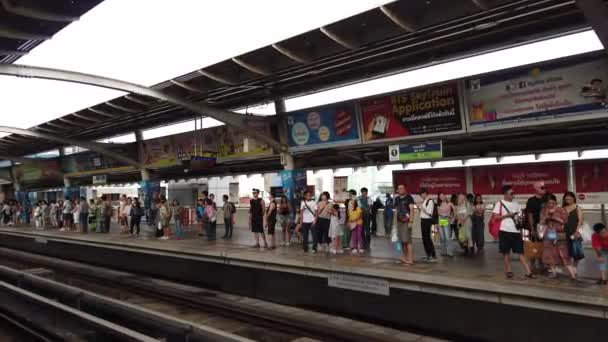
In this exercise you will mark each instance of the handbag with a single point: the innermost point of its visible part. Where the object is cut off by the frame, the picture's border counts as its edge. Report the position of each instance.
(578, 252)
(494, 225)
(533, 249)
(551, 235)
(352, 225)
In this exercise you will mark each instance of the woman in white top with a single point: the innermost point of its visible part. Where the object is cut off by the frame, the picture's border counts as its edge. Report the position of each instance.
(76, 213)
(125, 213)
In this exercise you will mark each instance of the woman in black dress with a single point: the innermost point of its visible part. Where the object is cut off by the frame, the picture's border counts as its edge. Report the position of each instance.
(256, 219)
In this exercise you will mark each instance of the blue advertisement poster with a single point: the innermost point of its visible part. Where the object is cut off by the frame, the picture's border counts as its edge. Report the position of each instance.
(72, 192)
(293, 183)
(327, 126)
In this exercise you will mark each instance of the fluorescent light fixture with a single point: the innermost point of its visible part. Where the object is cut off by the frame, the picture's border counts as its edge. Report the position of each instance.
(558, 156)
(121, 139)
(447, 163)
(480, 161)
(418, 166)
(521, 55)
(595, 154)
(526, 158)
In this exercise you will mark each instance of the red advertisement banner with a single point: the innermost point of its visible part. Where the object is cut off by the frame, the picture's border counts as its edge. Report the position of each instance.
(449, 181)
(489, 180)
(591, 175)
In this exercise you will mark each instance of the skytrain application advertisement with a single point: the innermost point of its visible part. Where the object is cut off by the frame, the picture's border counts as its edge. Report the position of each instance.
(416, 112)
(544, 92)
(332, 125)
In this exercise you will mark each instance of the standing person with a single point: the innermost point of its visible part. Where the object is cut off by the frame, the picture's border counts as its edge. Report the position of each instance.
(534, 207)
(477, 231)
(176, 215)
(44, 214)
(365, 203)
(229, 212)
(76, 214)
(137, 212)
(376, 206)
(599, 242)
(200, 215)
(454, 223)
(574, 227)
(355, 224)
(464, 211)
(427, 207)
(256, 219)
(165, 218)
(37, 216)
(270, 217)
(60, 215)
(555, 242)
(84, 215)
(122, 219)
(6, 213)
(324, 211)
(68, 216)
(308, 210)
(404, 206)
(211, 214)
(349, 204)
(389, 211)
(445, 210)
(336, 230)
(93, 226)
(510, 239)
(106, 213)
(53, 214)
(125, 214)
(283, 219)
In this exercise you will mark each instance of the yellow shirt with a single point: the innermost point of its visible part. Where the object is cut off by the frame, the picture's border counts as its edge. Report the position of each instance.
(356, 216)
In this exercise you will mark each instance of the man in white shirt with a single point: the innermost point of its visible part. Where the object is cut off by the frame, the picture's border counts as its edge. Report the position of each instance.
(308, 217)
(510, 239)
(427, 206)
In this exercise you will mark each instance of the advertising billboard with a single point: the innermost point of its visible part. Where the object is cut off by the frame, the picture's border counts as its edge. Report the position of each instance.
(591, 175)
(45, 169)
(235, 143)
(564, 90)
(327, 126)
(489, 180)
(93, 163)
(418, 112)
(171, 150)
(448, 181)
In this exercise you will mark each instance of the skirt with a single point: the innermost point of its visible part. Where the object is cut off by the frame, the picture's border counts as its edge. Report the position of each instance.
(556, 254)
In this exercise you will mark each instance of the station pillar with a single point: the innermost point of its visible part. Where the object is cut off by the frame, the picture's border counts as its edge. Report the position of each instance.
(287, 160)
(147, 191)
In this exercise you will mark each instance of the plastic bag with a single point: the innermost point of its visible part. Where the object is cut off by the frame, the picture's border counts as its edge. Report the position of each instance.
(395, 240)
(159, 226)
(586, 233)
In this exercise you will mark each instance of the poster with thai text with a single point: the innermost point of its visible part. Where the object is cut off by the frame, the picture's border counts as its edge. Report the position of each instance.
(489, 180)
(448, 181)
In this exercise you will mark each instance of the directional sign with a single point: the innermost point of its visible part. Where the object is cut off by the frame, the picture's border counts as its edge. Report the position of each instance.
(418, 151)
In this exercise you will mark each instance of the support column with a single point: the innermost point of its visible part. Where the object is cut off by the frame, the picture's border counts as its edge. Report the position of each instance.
(148, 230)
(139, 138)
(287, 160)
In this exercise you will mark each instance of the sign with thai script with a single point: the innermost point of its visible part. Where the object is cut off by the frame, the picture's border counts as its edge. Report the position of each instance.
(327, 126)
(413, 152)
(421, 111)
(357, 283)
(489, 180)
(448, 181)
(543, 92)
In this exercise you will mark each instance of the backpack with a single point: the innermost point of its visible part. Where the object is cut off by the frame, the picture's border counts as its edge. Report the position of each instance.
(232, 208)
(403, 210)
(435, 213)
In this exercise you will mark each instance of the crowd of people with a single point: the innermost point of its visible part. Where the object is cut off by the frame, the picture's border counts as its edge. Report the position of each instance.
(546, 235)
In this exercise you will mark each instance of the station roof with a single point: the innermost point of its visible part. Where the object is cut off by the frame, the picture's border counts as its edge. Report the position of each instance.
(400, 35)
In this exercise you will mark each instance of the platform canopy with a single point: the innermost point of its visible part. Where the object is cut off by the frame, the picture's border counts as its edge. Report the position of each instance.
(395, 36)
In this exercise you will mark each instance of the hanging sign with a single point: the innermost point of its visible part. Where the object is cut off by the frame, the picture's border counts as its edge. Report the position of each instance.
(414, 152)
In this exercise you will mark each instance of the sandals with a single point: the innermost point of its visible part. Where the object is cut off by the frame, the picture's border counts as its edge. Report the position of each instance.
(509, 275)
(602, 282)
(530, 276)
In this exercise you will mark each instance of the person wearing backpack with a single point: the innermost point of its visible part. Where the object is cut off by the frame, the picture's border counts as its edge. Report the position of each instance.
(137, 212)
(229, 211)
(404, 207)
(427, 207)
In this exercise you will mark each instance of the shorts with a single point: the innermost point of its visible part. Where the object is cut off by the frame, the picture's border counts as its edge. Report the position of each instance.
(510, 242)
(283, 220)
(271, 226)
(68, 218)
(604, 267)
(257, 226)
(404, 230)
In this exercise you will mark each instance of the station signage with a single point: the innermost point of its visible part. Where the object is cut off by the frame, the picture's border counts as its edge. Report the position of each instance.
(489, 180)
(558, 90)
(448, 181)
(415, 152)
(418, 112)
(321, 127)
(591, 175)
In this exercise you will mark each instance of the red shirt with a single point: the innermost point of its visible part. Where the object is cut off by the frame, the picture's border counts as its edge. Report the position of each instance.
(598, 243)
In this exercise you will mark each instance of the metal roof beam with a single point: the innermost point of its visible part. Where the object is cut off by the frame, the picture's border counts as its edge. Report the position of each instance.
(215, 77)
(123, 108)
(596, 13)
(398, 19)
(86, 117)
(230, 118)
(137, 100)
(11, 33)
(291, 54)
(253, 68)
(346, 43)
(57, 125)
(482, 4)
(13, 53)
(35, 13)
(63, 140)
(102, 113)
(73, 123)
(188, 87)
(38, 128)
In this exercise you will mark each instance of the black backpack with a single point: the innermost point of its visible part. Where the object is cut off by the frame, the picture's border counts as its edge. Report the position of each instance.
(435, 214)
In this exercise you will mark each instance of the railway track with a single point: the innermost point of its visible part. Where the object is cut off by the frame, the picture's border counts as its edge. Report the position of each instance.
(97, 290)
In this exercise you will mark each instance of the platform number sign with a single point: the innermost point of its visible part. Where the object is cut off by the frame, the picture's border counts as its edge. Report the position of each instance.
(393, 153)
(475, 85)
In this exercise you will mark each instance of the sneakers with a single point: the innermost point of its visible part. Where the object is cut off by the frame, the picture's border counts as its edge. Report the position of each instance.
(314, 251)
(332, 251)
(354, 251)
(340, 251)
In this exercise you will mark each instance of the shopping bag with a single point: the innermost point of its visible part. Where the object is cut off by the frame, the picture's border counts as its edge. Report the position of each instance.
(586, 233)
(577, 250)
(533, 249)
(494, 225)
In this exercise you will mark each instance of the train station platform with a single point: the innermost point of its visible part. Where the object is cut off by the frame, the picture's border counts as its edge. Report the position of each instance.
(460, 296)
